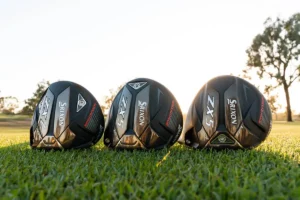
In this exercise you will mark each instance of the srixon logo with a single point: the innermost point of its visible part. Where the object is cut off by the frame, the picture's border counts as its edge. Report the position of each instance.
(232, 107)
(210, 110)
(62, 112)
(142, 107)
(122, 110)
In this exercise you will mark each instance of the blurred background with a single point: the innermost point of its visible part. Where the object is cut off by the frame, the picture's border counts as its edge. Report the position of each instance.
(181, 44)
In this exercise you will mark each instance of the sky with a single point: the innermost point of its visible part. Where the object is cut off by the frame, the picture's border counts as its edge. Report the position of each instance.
(103, 44)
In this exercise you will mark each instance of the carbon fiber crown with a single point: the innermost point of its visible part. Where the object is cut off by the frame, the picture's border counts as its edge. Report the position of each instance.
(67, 116)
(143, 115)
(227, 112)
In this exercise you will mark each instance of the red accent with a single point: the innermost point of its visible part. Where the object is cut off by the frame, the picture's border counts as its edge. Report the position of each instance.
(90, 115)
(170, 113)
(262, 105)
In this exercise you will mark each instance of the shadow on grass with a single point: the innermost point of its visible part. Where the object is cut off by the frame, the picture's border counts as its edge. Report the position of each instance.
(178, 154)
(178, 172)
(95, 153)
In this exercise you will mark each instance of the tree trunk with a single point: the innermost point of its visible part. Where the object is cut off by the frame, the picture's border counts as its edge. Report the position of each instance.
(288, 104)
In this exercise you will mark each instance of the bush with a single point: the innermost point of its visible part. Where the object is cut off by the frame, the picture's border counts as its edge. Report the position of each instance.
(7, 112)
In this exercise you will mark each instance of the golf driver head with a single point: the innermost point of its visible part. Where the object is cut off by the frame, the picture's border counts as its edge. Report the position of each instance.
(67, 116)
(227, 112)
(143, 115)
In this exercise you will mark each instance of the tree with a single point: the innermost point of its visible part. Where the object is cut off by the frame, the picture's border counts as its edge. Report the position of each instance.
(272, 100)
(1, 103)
(31, 103)
(8, 105)
(109, 98)
(275, 53)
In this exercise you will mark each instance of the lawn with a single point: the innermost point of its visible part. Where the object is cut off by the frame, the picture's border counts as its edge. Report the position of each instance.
(13, 117)
(271, 171)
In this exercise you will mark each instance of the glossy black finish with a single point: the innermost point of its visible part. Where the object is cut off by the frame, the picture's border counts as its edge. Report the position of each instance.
(143, 115)
(227, 112)
(67, 116)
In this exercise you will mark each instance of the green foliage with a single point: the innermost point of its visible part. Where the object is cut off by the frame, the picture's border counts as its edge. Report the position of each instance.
(275, 53)
(1, 103)
(272, 99)
(31, 103)
(8, 112)
(109, 98)
(270, 171)
(8, 105)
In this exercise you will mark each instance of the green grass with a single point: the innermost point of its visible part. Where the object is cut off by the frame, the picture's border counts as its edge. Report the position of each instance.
(4, 117)
(271, 171)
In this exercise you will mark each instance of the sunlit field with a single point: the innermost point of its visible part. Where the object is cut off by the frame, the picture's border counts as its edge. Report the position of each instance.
(270, 171)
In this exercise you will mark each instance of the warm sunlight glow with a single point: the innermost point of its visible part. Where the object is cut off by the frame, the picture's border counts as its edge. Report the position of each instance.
(103, 44)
